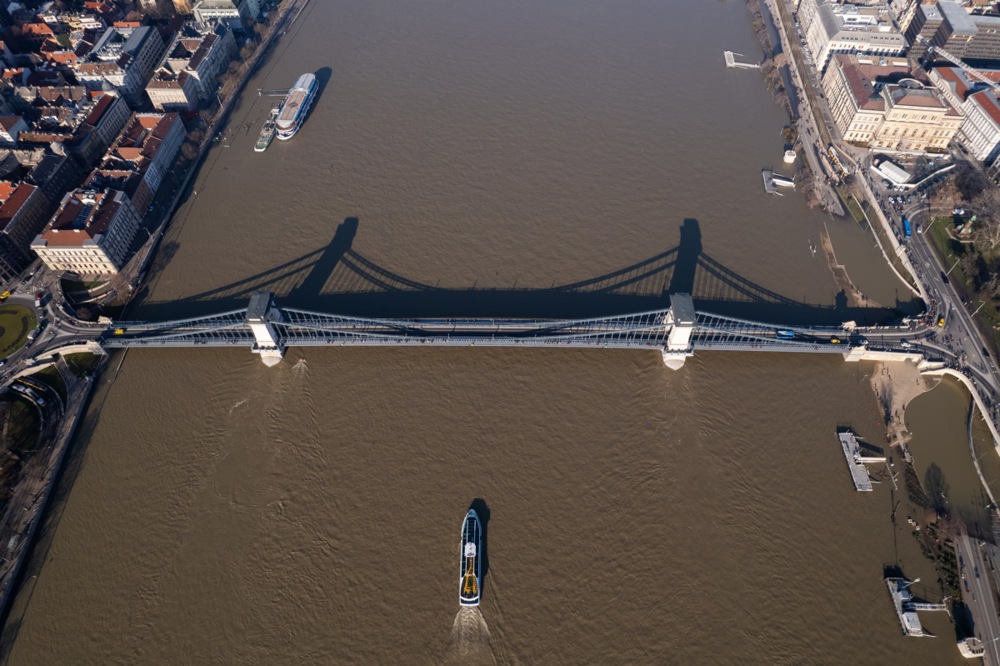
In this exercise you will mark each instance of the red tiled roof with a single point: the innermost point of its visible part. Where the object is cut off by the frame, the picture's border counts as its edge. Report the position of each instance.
(6, 188)
(14, 203)
(988, 100)
(37, 29)
(94, 117)
(73, 224)
(8, 122)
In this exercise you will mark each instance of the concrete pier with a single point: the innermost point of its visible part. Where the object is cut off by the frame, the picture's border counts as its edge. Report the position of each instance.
(731, 62)
(852, 454)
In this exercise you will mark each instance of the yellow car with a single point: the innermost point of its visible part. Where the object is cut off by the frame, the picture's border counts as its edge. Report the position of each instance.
(119, 331)
(834, 341)
(4, 296)
(941, 321)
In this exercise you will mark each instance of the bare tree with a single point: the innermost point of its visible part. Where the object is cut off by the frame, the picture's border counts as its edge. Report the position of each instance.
(987, 227)
(970, 181)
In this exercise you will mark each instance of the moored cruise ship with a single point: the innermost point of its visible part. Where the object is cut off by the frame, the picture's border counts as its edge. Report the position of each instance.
(470, 561)
(296, 106)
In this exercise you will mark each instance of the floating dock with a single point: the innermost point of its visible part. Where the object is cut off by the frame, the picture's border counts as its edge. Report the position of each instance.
(902, 601)
(769, 185)
(733, 64)
(852, 454)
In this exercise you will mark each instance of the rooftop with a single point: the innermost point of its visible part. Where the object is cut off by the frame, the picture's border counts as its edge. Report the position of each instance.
(987, 99)
(14, 202)
(82, 216)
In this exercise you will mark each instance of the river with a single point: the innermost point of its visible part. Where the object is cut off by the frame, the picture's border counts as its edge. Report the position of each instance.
(531, 158)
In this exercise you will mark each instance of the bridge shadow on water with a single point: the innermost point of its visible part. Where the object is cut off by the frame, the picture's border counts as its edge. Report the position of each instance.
(339, 279)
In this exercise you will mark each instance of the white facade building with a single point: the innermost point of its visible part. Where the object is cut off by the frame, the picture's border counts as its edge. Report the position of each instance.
(90, 234)
(830, 27)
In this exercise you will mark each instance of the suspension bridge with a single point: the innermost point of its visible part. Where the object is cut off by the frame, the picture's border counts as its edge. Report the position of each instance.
(676, 332)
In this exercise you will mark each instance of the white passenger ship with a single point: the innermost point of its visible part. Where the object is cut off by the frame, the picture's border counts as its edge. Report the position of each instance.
(296, 106)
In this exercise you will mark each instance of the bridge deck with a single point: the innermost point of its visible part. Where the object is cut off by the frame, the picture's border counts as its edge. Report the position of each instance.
(642, 330)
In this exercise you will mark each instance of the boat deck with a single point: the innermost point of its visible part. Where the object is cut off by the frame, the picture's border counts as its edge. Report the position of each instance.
(291, 108)
(852, 454)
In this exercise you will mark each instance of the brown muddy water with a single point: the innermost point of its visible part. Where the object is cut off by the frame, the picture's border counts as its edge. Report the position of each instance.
(519, 158)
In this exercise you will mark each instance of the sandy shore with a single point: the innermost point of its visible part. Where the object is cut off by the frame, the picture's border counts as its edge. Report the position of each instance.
(895, 385)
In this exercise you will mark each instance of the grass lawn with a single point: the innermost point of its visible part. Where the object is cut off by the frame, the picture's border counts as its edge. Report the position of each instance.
(988, 318)
(82, 364)
(70, 286)
(942, 244)
(852, 205)
(51, 377)
(16, 321)
(22, 423)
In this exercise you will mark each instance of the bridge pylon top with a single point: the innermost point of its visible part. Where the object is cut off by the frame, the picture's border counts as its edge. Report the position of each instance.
(260, 306)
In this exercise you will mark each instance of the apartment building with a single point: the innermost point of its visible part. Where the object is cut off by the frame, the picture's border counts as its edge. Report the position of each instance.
(140, 158)
(90, 235)
(122, 59)
(188, 73)
(980, 130)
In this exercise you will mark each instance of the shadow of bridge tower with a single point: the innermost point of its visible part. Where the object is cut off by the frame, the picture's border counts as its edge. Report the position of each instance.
(339, 279)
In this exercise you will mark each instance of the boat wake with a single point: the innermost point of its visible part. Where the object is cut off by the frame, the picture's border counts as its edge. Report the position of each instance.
(470, 639)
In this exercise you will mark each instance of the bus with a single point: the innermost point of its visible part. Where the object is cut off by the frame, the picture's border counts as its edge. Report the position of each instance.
(907, 228)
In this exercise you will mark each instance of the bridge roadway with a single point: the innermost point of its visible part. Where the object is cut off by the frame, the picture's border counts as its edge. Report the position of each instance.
(644, 330)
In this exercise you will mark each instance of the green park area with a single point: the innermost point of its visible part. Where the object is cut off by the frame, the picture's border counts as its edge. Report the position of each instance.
(16, 321)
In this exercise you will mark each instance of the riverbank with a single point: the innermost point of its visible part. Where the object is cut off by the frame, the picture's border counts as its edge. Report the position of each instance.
(128, 282)
(26, 507)
(895, 385)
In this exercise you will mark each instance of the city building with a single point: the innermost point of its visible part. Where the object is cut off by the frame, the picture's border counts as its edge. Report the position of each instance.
(10, 128)
(26, 204)
(123, 60)
(79, 125)
(189, 71)
(884, 104)
(233, 12)
(90, 235)
(104, 122)
(140, 158)
(22, 215)
(979, 133)
(947, 24)
(832, 27)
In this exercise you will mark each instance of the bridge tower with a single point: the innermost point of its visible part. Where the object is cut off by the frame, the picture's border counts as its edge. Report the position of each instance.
(260, 313)
(680, 321)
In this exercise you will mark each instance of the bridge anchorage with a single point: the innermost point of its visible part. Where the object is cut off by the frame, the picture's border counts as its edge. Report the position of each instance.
(676, 332)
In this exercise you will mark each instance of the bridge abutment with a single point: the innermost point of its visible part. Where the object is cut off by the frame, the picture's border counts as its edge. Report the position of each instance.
(680, 321)
(260, 313)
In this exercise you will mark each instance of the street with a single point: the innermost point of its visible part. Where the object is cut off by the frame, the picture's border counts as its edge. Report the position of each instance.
(978, 596)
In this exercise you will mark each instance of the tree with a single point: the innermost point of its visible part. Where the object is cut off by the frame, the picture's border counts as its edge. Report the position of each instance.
(987, 227)
(970, 181)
